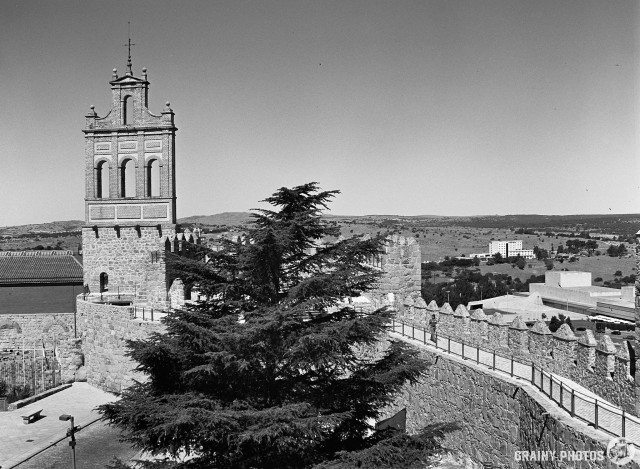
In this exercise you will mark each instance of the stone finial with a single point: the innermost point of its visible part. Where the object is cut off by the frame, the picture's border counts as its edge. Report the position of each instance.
(478, 315)
(606, 345)
(115, 73)
(446, 309)
(587, 339)
(564, 332)
(433, 306)
(623, 351)
(496, 318)
(540, 328)
(519, 324)
(462, 311)
(167, 107)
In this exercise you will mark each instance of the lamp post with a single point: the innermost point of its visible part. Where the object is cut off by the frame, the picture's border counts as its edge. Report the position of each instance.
(447, 296)
(71, 433)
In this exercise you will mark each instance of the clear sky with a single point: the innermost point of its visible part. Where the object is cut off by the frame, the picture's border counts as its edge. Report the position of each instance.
(446, 107)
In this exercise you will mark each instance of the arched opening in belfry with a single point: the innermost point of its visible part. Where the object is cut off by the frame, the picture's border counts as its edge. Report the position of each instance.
(153, 178)
(104, 282)
(102, 180)
(128, 174)
(127, 111)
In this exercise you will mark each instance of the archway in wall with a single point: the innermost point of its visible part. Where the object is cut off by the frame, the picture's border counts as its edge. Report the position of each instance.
(153, 178)
(128, 183)
(102, 180)
(104, 282)
(127, 111)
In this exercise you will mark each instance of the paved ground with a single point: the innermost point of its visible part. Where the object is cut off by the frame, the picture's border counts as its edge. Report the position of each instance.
(96, 447)
(20, 441)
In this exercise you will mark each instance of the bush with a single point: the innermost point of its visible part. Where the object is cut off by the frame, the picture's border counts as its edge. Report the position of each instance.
(597, 279)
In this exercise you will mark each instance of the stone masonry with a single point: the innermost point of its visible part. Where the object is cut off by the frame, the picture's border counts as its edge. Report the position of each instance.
(491, 416)
(104, 330)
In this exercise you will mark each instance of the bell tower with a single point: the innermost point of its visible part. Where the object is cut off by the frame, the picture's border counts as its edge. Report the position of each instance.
(130, 192)
(130, 158)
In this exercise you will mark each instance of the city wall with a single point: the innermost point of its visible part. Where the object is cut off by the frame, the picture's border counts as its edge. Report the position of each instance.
(599, 366)
(492, 416)
(105, 329)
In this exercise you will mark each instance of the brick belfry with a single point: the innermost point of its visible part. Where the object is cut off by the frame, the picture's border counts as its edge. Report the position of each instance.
(130, 198)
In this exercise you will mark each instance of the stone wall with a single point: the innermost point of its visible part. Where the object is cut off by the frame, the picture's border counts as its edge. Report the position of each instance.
(401, 274)
(32, 330)
(493, 415)
(104, 330)
(132, 258)
(637, 311)
(599, 366)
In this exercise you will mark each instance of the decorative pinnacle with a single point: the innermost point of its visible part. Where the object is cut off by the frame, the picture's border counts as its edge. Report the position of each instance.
(128, 45)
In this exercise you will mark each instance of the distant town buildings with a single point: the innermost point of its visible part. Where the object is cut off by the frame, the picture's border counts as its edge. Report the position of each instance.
(505, 249)
(510, 249)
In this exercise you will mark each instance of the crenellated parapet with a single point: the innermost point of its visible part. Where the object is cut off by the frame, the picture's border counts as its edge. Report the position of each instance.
(463, 319)
(598, 365)
(478, 327)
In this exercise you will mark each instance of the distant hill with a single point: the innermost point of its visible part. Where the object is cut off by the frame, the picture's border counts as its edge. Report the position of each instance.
(225, 218)
(51, 227)
(621, 224)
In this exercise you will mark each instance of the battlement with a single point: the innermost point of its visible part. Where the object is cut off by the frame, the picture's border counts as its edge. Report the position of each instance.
(598, 365)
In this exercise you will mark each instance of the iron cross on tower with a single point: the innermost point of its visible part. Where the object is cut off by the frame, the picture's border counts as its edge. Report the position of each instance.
(128, 45)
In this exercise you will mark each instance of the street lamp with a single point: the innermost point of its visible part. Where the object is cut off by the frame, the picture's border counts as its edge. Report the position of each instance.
(71, 433)
(447, 296)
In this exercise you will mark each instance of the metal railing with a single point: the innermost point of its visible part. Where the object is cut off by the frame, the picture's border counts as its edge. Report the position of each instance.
(147, 314)
(595, 412)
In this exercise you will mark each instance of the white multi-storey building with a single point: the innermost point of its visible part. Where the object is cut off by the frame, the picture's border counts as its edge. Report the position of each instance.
(510, 249)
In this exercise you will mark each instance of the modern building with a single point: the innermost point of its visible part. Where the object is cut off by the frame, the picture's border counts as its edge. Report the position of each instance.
(529, 308)
(573, 291)
(510, 249)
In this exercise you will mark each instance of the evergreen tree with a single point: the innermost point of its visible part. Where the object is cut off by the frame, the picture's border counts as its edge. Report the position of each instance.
(265, 371)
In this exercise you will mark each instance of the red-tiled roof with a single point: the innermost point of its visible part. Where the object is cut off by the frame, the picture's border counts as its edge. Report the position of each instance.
(39, 267)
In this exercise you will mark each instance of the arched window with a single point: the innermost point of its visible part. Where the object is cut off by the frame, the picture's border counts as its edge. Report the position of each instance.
(128, 182)
(104, 282)
(102, 180)
(153, 179)
(127, 111)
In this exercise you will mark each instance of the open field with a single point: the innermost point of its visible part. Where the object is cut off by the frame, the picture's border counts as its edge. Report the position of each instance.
(599, 266)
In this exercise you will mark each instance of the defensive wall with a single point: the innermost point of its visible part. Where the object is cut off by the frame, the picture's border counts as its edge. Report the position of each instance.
(133, 260)
(600, 366)
(491, 416)
(104, 329)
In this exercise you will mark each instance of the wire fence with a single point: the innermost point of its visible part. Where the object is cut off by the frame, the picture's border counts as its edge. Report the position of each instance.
(39, 372)
(596, 412)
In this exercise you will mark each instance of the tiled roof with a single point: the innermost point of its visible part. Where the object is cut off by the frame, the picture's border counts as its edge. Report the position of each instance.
(39, 267)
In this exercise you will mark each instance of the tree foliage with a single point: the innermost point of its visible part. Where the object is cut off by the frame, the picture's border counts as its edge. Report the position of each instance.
(265, 371)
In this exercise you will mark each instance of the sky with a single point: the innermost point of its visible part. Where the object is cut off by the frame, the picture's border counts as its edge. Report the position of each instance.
(431, 107)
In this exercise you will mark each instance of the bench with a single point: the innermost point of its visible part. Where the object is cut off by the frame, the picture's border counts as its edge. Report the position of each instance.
(35, 415)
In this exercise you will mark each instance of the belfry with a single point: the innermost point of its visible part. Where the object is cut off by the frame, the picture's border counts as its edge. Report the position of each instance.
(130, 194)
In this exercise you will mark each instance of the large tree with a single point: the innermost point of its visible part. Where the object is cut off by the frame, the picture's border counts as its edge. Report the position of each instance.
(266, 371)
